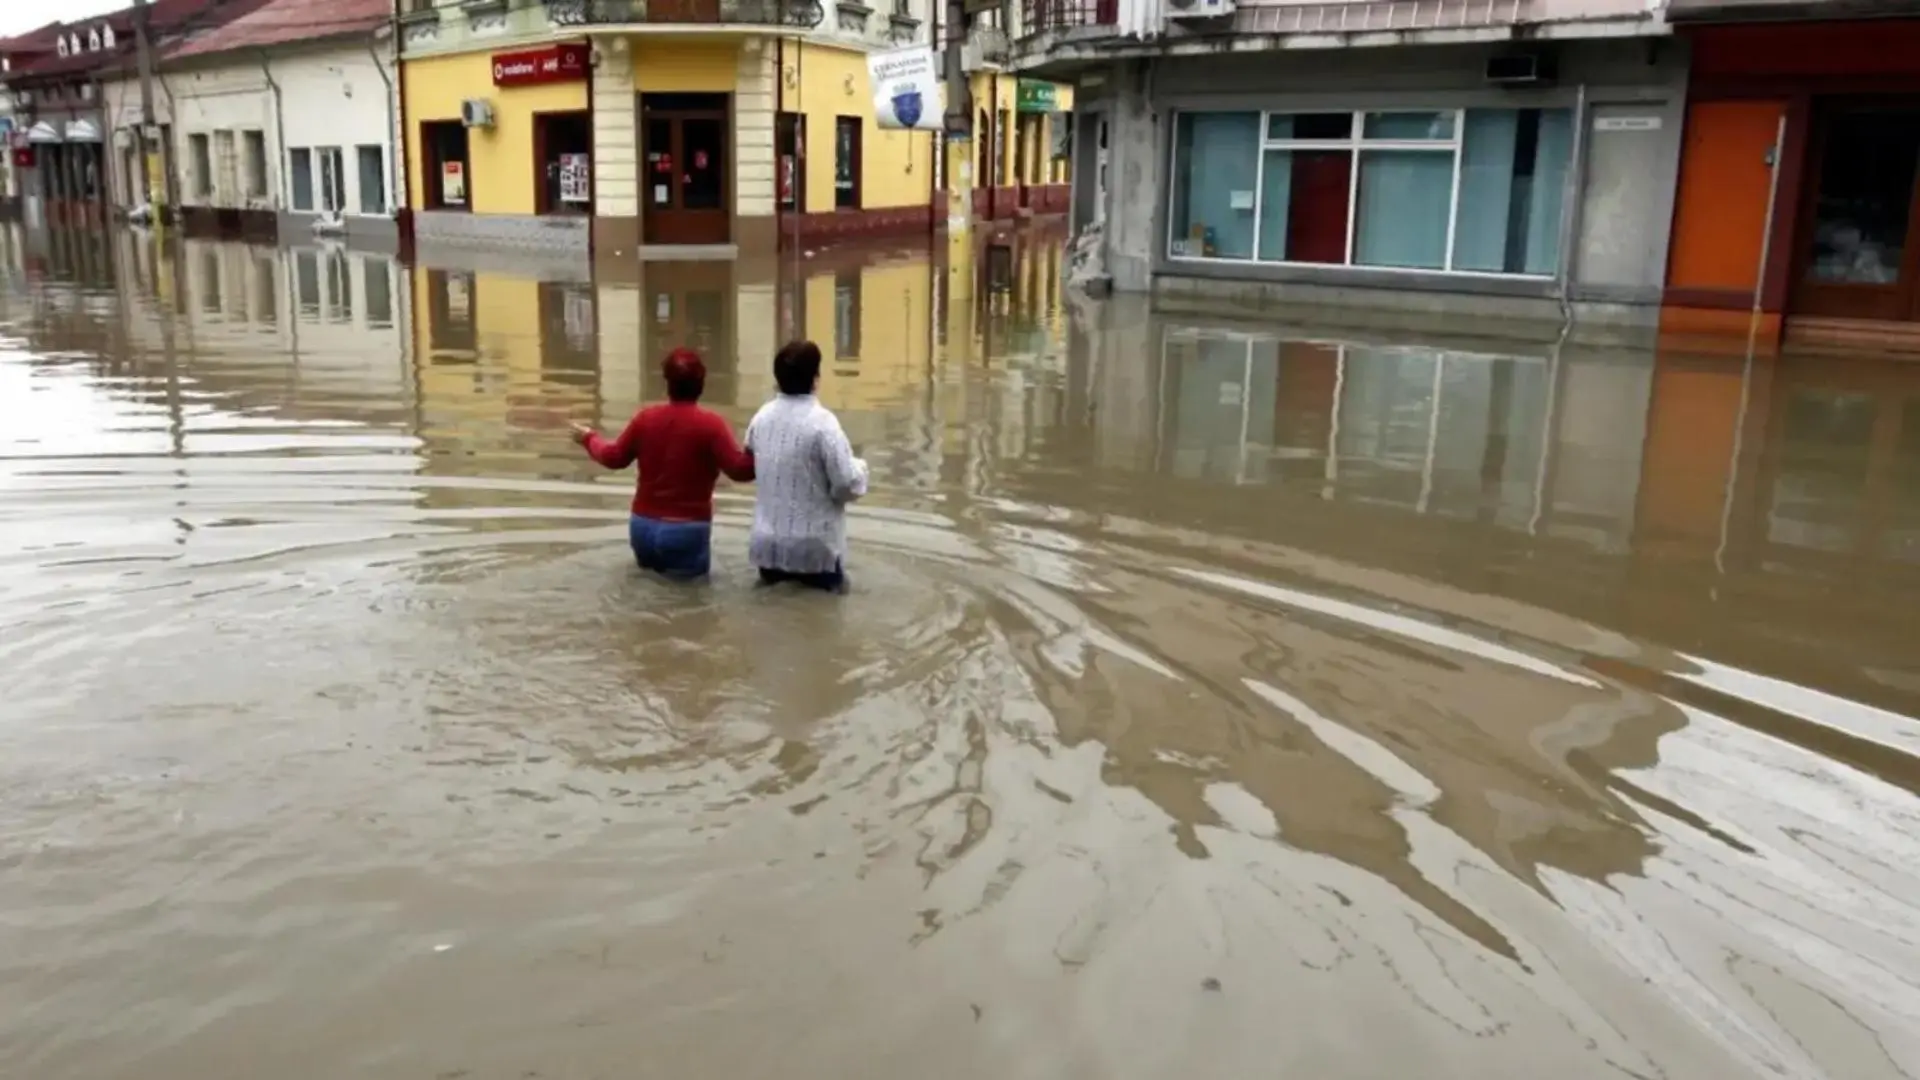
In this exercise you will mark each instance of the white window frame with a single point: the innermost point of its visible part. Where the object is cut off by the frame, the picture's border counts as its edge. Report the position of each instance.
(1355, 144)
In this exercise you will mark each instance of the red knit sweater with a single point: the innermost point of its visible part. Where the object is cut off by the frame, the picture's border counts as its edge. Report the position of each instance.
(682, 450)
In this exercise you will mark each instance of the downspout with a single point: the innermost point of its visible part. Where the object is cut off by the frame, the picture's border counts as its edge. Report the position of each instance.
(279, 140)
(396, 168)
(1570, 212)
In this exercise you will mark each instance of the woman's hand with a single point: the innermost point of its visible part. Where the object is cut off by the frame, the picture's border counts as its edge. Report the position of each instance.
(581, 433)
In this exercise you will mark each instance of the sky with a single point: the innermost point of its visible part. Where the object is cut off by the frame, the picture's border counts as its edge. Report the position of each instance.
(20, 16)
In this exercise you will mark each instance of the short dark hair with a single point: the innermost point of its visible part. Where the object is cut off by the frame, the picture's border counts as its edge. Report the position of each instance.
(686, 375)
(796, 367)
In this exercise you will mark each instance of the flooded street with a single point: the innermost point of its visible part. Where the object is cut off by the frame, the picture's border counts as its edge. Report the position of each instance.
(1213, 700)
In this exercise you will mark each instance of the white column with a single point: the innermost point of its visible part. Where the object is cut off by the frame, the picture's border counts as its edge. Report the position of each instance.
(753, 110)
(616, 190)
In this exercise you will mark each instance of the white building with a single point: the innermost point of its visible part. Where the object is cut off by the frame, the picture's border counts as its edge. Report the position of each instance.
(278, 122)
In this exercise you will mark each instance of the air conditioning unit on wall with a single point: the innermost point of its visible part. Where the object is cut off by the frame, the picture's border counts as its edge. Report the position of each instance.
(1198, 10)
(476, 113)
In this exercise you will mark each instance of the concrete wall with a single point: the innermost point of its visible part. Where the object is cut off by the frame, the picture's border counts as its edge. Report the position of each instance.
(1626, 178)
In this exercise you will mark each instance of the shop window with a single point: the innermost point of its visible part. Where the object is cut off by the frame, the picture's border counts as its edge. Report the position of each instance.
(378, 274)
(333, 180)
(562, 148)
(846, 162)
(1062, 151)
(1471, 191)
(256, 163)
(300, 177)
(372, 161)
(200, 160)
(448, 179)
(789, 141)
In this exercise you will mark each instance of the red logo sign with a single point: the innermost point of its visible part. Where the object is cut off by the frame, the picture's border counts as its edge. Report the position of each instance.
(555, 63)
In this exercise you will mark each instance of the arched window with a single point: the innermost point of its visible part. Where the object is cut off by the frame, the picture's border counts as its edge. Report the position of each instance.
(62, 46)
(74, 46)
(106, 37)
(93, 40)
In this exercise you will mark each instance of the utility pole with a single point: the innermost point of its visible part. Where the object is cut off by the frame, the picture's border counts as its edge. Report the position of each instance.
(151, 160)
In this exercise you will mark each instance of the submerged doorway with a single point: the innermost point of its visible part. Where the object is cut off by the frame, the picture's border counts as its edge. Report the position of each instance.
(685, 181)
(1858, 252)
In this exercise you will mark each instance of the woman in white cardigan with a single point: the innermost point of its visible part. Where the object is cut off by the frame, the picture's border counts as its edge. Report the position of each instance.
(806, 474)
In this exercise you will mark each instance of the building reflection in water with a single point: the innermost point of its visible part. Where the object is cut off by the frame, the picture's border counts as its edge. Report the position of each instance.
(1764, 514)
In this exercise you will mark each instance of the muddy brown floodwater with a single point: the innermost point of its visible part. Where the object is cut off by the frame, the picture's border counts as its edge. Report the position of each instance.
(1215, 700)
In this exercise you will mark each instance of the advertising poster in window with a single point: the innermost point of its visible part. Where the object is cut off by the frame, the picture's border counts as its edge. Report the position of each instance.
(453, 182)
(906, 89)
(576, 178)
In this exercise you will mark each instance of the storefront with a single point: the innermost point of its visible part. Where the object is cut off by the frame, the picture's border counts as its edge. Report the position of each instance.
(63, 168)
(1327, 190)
(499, 146)
(1827, 245)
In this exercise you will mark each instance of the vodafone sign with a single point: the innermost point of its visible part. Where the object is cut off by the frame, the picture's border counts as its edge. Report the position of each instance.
(555, 63)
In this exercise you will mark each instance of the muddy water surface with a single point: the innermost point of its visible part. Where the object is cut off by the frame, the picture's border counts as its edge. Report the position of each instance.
(1213, 700)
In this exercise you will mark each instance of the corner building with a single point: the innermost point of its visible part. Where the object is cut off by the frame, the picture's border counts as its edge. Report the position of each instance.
(719, 126)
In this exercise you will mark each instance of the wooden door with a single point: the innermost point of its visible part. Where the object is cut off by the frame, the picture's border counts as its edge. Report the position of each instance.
(685, 181)
(1858, 246)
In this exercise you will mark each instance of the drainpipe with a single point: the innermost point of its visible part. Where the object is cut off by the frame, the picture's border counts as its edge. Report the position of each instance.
(1570, 210)
(279, 136)
(396, 168)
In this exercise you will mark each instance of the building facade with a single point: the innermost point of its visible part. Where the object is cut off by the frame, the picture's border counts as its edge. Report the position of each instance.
(733, 124)
(1496, 165)
(278, 119)
(1799, 190)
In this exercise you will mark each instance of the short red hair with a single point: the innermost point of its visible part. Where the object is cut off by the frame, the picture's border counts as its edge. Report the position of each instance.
(686, 374)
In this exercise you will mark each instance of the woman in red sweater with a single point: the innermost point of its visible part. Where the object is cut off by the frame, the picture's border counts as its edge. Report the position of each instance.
(682, 450)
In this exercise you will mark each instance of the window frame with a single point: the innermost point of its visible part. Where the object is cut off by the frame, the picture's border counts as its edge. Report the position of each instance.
(199, 154)
(1355, 144)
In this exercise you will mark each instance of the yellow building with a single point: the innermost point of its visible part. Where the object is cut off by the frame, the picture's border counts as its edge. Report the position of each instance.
(686, 124)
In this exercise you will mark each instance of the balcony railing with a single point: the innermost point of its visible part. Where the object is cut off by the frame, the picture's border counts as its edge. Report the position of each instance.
(1055, 16)
(800, 14)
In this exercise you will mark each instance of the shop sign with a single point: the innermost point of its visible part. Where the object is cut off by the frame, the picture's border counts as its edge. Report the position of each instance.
(566, 62)
(906, 89)
(576, 178)
(1034, 96)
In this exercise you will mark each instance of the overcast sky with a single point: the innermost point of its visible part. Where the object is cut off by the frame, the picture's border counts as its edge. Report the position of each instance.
(19, 16)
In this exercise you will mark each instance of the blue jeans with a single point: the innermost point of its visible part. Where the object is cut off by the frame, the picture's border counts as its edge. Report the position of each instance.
(675, 549)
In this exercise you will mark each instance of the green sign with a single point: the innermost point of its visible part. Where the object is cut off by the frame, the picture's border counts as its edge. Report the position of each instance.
(1034, 96)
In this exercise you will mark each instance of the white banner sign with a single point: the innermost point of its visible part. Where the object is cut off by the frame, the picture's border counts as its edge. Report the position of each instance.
(906, 89)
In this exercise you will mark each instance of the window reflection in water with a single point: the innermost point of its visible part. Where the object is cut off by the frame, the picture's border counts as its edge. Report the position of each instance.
(339, 288)
(378, 273)
(306, 278)
(1819, 482)
(569, 336)
(452, 335)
